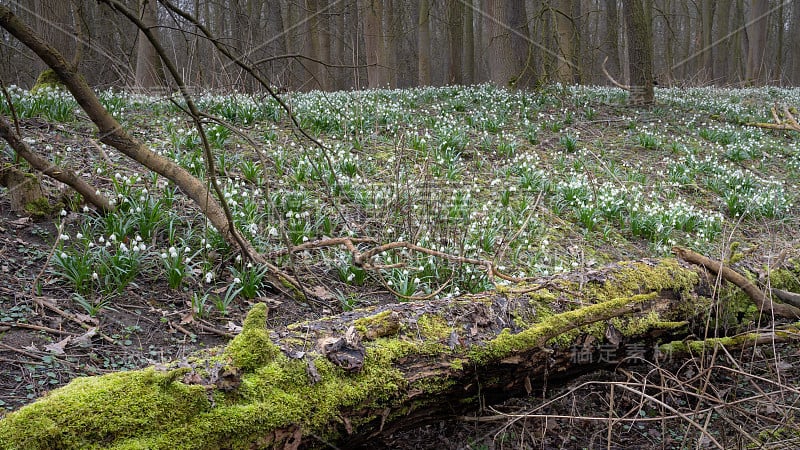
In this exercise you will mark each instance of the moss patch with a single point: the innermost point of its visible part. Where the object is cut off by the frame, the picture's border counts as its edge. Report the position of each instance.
(253, 348)
(47, 79)
(93, 410)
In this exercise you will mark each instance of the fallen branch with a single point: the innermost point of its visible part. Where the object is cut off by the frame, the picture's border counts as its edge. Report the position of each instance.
(788, 123)
(762, 301)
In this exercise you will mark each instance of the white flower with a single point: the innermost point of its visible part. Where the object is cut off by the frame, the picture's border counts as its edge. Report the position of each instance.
(64, 237)
(85, 209)
(94, 275)
(236, 280)
(209, 277)
(63, 213)
(64, 255)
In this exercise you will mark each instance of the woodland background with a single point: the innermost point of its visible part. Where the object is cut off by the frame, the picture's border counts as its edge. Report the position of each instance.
(348, 44)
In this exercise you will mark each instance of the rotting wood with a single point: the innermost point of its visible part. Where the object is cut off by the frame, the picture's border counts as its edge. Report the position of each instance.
(363, 374)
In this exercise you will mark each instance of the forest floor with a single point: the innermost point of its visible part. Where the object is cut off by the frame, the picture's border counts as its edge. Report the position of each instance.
(544, 182)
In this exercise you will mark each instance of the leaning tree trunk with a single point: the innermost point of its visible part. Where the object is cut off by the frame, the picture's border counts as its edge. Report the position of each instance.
(112, 133)
(350, 378)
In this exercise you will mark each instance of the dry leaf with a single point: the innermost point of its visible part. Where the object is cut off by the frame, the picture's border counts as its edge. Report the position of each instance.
(232, 327)
(323, 294)
(58, 347)
(85, 340)
(188, 318)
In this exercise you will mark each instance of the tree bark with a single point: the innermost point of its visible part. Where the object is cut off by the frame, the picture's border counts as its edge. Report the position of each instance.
(795, 49)
(456, 31)
(424, 44)
(38, 162)
(722, 66)
(708, 51)
(148, 73)
(469, 44)
(756, 42)
(351, 378)
(371, 14)
(563, 21)
(640, 53)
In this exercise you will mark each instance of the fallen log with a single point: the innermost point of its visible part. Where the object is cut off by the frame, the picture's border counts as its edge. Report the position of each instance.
(349, 378)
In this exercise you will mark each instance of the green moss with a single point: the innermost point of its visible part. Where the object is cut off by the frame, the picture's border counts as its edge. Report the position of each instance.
(385, 323)
(47, 79)
(683, 347)
(151, 409)
(507, 343)
(786, 279)
(253, 348)
(457, 364)
(636, 277)
(637, 326)
(93, 410)
(40, 207)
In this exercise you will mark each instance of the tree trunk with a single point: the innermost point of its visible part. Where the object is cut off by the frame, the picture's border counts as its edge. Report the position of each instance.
(351, 378)
(469, 44)
(456, 31)
(756, 42)
(563, 20)
(31, 189)
(424, 44)
(794, 50)
(640, 53)
(708, 50)
(502, 20)
(723, 47)
(319, 45)
(148, 64)
(371, 15)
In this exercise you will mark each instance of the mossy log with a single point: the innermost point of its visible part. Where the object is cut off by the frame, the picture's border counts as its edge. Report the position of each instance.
(350, 378)
(25, 191)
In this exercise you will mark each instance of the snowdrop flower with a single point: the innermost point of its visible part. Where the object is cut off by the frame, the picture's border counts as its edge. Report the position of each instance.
(209, 277)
